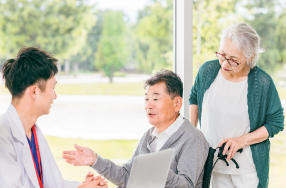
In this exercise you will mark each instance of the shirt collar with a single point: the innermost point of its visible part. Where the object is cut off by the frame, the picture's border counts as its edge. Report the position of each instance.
(171, 129)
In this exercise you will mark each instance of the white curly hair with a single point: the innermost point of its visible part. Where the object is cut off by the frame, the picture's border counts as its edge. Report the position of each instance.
(246, 39)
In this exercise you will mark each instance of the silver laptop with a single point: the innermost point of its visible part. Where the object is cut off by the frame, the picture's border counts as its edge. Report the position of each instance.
(151, 170)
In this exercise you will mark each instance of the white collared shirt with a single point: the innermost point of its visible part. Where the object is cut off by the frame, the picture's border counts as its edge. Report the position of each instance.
(161, 138)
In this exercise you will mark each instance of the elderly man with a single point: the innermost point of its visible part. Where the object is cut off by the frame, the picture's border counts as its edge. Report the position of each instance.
(163, 101)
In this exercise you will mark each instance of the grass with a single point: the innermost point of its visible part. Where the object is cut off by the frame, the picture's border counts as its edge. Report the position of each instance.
(101, 89)
(105, 148)
(123, 149)
(95, 89)
(278, 161)
(108, 89)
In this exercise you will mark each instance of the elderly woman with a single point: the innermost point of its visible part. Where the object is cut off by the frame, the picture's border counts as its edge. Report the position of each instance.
(237, 103)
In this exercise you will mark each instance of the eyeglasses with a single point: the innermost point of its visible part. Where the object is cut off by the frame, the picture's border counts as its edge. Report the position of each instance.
(230, 61)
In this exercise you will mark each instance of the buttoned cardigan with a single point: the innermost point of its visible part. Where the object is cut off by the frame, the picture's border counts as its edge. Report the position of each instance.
(264, 109)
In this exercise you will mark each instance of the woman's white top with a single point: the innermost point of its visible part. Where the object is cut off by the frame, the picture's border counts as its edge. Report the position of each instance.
(225, 115)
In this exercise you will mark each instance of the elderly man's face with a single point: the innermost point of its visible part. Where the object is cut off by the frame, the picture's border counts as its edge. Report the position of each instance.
(161, 109)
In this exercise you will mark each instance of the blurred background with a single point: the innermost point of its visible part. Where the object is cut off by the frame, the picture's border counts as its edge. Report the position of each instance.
(107, 48)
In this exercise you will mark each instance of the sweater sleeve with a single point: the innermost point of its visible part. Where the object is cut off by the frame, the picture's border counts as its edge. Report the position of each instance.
(190, 165)
(118, 175)
(193, 96)
(274, 122)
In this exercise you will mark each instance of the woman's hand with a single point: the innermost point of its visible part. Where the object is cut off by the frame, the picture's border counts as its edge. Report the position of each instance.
(232, 145)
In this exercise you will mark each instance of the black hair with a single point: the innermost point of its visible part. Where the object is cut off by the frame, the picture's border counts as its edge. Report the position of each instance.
(174, 85)
(31, 66)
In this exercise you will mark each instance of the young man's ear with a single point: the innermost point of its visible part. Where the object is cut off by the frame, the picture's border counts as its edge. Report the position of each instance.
(33, 91)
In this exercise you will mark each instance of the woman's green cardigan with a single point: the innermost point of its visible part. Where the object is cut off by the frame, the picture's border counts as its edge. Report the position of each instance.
(264, 109)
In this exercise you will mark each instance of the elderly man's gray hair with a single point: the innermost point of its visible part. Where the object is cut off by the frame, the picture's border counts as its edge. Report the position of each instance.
(174, 84)
(246, 39)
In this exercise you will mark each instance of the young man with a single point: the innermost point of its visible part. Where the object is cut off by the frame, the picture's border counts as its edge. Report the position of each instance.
(163, 101)
(25, 157)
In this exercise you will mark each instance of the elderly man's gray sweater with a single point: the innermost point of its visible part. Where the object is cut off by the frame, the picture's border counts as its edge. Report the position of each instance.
(187, 164)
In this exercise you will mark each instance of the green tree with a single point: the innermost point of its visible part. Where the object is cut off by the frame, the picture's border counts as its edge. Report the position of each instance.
(112, 52)
(86, 58)
(80, 57)
(209, 18)
(282, 36)
(270, 25)
(154, 31)
(154, 36)
(59, 26)
(76, 19)
(17, 26)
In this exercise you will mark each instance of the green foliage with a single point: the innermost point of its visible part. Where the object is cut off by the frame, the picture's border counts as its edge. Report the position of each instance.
(113, 52)
(119, 74)
(59, 26)
(86, 55)
(269, 25)
(216, 15)
(67, 29)
(262, 15)
(154, 37)
(281, 31)
(96, 88)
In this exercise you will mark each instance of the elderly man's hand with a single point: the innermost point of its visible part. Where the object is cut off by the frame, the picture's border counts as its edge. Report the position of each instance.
(82, 156)
(232, 145)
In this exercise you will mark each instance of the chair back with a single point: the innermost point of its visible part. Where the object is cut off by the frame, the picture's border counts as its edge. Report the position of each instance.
(208, 168)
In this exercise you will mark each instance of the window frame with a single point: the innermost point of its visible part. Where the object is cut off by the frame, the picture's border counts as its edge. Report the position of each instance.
(183, 48)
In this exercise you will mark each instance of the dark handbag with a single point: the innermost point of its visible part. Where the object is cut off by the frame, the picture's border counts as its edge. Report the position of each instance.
(209, 165)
